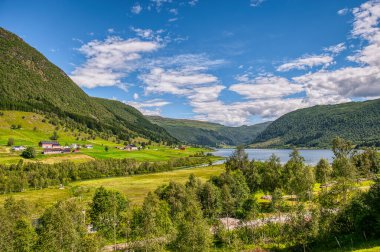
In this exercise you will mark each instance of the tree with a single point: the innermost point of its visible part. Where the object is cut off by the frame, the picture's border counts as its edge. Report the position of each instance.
(193, 233)
(30, 152)
(11, 141)
(271, 175)
(341, 147)
(62, 228)
(16, 231)
(54, 136)
(154, 224)
(238, 160)
(323, 171)
(210, 198)
(106, 211)
(297, 177)
(253, 175)
(106, 148)
(367, 162)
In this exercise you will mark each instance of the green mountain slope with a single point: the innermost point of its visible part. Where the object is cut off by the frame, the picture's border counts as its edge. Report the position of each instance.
(210, 134)
(318, 125)
(30, 82)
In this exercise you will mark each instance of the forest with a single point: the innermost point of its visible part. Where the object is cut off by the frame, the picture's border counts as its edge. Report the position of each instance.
(221, 213)
(314, 127)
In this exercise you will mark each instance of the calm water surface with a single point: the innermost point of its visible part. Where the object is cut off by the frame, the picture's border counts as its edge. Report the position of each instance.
(311, 156)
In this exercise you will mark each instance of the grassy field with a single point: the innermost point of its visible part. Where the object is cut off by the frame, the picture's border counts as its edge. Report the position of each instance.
(134, 187)
(33, 130)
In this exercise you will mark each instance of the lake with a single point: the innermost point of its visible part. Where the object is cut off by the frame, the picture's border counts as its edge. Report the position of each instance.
(311, 156)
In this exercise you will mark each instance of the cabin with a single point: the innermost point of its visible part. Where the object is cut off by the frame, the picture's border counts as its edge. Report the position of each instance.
(182, 148)
(18, 148)
(51, 151)
(56, 151)
(131, 147)
(74, 146)
(49, 145)
(88, 146)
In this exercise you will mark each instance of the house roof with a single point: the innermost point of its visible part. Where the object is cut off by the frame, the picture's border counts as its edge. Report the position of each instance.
(49, 142)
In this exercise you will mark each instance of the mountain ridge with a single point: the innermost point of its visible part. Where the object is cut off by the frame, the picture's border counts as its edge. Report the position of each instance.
(316, 126)
(207, 133)
(30, 82)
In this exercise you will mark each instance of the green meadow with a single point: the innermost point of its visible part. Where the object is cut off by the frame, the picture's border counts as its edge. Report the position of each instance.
(134, 187)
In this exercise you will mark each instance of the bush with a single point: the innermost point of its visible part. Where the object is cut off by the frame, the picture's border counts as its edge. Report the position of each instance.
(30, 152)
(11, 142)
(54, 136)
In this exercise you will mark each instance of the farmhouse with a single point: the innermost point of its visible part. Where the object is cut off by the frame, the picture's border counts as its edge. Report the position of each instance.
(52, 151)
(49, 145)
(18, 148)
(131, 147)
(56, 151)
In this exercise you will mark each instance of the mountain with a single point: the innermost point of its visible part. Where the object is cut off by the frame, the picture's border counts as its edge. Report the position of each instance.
(30, 82)
(317, 126)
(209, 134)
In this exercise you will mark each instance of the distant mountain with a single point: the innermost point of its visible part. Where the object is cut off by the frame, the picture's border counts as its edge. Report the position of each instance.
(209, 134)
(318, 125)
(30, 82)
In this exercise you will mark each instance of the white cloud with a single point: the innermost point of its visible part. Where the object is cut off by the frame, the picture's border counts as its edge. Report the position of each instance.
(306, 62)
(256, 3)
(150, 107)
(109, 61)
(110, 30)
(136, 96)
(193, 2)
(178, 82)
(335, 49)
(266, 87)
(343, 11)
(136, 9)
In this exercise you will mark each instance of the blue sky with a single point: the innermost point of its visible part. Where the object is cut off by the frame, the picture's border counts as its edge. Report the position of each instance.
(232, 62)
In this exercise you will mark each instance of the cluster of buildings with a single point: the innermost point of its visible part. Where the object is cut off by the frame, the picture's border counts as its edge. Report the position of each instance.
(129, 147)
(53, 147)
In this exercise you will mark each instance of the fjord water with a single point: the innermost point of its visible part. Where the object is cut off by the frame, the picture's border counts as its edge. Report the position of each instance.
(311, 156)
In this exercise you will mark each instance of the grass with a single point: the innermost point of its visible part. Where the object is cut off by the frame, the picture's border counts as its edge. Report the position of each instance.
(134, 187)
(33, 130)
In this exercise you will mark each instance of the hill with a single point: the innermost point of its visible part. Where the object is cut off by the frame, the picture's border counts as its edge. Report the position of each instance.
(209, 134)
(318, 125)
(30, 82)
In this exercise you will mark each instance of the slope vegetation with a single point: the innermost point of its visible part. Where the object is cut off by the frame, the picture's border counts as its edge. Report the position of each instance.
(30, 82)
(318, 125)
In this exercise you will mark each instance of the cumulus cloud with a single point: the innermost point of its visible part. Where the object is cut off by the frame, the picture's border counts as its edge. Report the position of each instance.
(136, 9)
(335, 49)
(149, 107)
(178, 82)
(109, 61)
(266, 87)
(306, 62)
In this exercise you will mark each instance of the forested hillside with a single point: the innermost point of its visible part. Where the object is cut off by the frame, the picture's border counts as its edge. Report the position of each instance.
(316, 126)
(210, 134)
(30, 82)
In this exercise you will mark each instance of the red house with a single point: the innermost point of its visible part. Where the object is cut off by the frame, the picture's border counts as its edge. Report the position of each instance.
(49, 145)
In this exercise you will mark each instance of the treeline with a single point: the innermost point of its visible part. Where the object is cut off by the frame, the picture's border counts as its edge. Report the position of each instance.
(22, 176)
(222, 212)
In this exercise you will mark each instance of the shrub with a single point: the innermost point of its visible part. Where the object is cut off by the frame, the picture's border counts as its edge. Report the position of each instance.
(30, 152)
(11, 142)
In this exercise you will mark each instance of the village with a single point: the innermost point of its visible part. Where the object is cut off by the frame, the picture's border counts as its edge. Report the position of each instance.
(54, 147)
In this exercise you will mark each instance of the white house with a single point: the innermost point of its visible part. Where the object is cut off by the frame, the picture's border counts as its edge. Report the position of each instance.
(18, 148)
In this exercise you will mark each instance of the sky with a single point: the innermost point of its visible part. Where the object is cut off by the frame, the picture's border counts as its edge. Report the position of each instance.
(234, 62)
